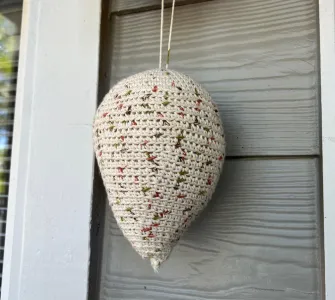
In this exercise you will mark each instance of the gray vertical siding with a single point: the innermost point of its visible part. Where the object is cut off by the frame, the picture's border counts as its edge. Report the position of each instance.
(259, 237)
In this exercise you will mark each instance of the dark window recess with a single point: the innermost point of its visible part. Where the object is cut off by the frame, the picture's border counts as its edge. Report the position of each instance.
(10, 25)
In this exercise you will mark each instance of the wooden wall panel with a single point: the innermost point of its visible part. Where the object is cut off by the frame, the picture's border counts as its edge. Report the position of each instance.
(258, 58)
(258, 239)
(10, 4)
(124, 6)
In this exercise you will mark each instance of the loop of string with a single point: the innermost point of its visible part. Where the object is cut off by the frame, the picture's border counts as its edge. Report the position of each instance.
(170, 35)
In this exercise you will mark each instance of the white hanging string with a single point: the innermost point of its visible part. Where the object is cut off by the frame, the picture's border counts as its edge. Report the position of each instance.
(170, 35)
(161, 40)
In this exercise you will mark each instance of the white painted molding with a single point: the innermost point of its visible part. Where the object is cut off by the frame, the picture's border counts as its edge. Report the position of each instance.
(327, 53)
(47, 245)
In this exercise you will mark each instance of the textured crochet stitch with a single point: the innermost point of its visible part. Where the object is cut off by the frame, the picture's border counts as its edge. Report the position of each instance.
(160, 147)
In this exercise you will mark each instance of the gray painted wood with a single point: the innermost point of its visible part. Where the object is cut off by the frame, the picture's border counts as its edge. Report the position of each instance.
(258, 58)
(10, 3)
(258, 239)
(131, 5)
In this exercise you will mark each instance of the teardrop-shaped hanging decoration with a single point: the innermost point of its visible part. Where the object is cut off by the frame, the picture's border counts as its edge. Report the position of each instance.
(160, 147)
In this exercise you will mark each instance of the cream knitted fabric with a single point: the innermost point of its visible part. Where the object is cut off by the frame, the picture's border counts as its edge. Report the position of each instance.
(160, 146)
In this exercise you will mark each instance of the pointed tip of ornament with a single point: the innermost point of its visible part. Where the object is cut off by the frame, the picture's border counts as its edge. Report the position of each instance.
(155, 264)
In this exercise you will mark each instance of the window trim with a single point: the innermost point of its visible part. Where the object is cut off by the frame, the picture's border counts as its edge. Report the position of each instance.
(327, 66)
(50, 195)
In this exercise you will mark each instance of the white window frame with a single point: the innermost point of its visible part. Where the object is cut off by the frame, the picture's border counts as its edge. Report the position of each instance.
(47, 243)
(48, 225)
(327, 65)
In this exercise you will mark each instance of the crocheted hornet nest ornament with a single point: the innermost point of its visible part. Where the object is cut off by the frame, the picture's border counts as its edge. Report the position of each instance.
(160, 147)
